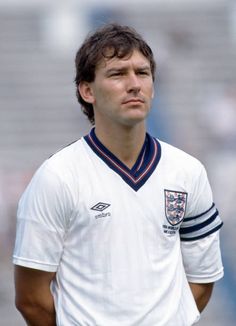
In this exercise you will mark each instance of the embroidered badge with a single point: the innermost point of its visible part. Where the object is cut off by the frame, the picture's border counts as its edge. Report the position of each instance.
(175, 206)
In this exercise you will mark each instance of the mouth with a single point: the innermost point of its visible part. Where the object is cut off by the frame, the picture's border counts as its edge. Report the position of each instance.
(133, 101)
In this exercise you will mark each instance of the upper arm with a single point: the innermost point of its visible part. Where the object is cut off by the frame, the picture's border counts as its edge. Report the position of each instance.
(201, 289)
(201, 293)
(202, 217)
(202, 259)
(31, 285)
(199, 233)
(41, 227)
(42, 218)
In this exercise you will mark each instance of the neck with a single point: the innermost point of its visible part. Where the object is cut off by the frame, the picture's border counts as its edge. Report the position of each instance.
(125, 144)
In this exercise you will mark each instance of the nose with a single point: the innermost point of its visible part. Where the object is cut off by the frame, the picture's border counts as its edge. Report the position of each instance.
(133, 84)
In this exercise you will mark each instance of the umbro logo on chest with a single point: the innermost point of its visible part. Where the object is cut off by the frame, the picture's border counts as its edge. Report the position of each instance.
(101, 207)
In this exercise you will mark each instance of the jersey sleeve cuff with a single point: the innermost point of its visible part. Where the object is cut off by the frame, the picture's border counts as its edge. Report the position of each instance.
(34, 264)
(206, 279)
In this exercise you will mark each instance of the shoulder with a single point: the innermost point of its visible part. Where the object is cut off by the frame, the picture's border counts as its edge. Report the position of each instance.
(66, 159)
(67, 152)
(56, 178)
(175, 157)
(60, 168)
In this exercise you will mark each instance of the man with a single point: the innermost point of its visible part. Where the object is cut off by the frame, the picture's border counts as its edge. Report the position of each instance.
(117, 228)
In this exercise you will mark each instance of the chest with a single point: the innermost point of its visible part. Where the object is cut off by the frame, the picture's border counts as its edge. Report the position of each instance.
(110, 216)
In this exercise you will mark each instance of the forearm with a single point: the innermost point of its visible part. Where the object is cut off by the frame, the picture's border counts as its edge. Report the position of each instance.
(201, 294)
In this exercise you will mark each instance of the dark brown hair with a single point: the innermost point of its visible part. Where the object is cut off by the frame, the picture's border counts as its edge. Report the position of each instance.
(121, 41)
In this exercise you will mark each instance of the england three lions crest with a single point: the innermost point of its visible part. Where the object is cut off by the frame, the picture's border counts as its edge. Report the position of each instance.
(175, 206)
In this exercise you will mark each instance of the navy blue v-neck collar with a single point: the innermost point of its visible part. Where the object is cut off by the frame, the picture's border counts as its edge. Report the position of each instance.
(143, 168)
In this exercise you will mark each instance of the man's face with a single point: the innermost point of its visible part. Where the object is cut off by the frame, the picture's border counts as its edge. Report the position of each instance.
(122, 90)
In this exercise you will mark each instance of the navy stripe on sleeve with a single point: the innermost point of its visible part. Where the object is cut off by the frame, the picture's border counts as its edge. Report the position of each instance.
(201, 225)
(203, 235)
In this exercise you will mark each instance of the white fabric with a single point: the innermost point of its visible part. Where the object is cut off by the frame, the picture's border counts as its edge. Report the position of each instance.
(116, 266)
(205, 267)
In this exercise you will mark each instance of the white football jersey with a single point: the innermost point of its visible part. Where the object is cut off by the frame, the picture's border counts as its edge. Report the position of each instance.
(123, 242)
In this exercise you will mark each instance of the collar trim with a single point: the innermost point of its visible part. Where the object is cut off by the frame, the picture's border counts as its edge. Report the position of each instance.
(145, 165)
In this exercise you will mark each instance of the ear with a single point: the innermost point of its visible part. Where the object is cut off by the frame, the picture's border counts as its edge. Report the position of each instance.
(86, 92)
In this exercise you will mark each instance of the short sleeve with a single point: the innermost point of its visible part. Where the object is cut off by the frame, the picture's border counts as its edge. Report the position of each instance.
(202, 217)
(199, 233)
(42, 220)
(202, 259)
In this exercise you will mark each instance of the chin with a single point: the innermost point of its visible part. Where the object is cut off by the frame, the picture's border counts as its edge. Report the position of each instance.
(138, 116)
(132, 121)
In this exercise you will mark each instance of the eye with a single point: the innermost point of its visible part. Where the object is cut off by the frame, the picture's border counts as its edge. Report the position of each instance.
(114, 74)
(144, 73)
